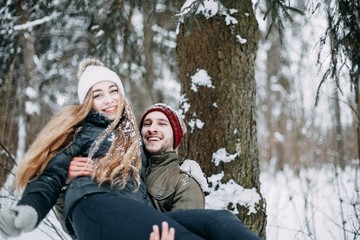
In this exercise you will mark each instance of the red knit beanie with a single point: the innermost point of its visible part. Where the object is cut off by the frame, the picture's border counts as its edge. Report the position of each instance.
(177, 124)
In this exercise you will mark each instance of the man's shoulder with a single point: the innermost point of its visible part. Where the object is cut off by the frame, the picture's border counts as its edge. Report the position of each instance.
(187, 179)
(193, 169)
(167, 174)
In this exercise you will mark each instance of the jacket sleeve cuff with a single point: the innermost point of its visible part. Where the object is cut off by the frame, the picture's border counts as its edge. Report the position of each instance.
(38, 202)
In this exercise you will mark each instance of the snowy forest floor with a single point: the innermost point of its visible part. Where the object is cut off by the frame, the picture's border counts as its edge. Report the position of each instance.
(317, 204)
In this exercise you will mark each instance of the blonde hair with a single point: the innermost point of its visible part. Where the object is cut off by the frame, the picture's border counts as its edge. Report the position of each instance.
(55, 135)
(122, 160)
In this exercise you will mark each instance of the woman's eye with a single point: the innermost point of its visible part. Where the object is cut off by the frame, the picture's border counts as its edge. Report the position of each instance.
(113, 91)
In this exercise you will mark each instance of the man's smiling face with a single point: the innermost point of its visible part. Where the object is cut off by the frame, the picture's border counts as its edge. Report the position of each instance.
(157, 133)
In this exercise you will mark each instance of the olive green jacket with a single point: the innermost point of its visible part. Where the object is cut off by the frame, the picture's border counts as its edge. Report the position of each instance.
(169, 188)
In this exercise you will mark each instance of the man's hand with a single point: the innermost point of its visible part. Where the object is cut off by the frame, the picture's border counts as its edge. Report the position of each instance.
(79, 166)
(166, 233)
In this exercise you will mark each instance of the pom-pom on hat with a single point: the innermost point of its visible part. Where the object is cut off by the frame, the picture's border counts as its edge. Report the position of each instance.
(92, 71)
(177, 124)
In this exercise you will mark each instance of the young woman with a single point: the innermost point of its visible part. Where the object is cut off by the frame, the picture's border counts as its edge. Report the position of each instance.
(113, 202)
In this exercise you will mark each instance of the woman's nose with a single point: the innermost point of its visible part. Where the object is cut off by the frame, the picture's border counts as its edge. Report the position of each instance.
(108, 99)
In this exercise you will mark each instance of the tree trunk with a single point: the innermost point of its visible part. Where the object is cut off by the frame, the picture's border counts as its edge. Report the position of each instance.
(8, 127)
(26, 78)
(148, 78)
(16, 104)
(339, 144)
(357, 120)
(228, 108)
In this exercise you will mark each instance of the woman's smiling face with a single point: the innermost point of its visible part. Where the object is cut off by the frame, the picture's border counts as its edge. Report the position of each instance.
(106, 98)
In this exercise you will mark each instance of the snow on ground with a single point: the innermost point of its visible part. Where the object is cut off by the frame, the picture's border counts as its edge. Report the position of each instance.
(304, 207)
(313, 205)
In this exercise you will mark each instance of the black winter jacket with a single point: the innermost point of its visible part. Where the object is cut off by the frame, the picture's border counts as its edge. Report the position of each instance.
(42, 192)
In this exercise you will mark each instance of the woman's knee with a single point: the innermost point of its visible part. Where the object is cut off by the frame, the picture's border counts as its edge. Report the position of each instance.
(224, 215)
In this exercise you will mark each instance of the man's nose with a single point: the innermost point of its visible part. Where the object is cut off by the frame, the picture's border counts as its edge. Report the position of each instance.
(152, 128)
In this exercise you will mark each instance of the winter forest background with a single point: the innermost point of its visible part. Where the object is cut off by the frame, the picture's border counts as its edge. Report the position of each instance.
(269, 90)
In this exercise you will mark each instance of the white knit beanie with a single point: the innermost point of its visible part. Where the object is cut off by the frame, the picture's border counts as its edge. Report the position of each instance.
(93, 75)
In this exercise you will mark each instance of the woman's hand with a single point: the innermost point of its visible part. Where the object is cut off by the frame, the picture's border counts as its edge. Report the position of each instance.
(166, 233)
(79, 166)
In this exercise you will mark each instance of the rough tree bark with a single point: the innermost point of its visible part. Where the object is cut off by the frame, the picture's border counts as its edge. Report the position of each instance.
(14, 107)
(228, 109)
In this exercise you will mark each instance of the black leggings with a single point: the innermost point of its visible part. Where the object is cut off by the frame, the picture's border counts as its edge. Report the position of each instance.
(114, 217)
(213, 224)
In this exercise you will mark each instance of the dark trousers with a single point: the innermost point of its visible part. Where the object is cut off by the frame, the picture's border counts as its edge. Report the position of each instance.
(113, 217)
(213, 224)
